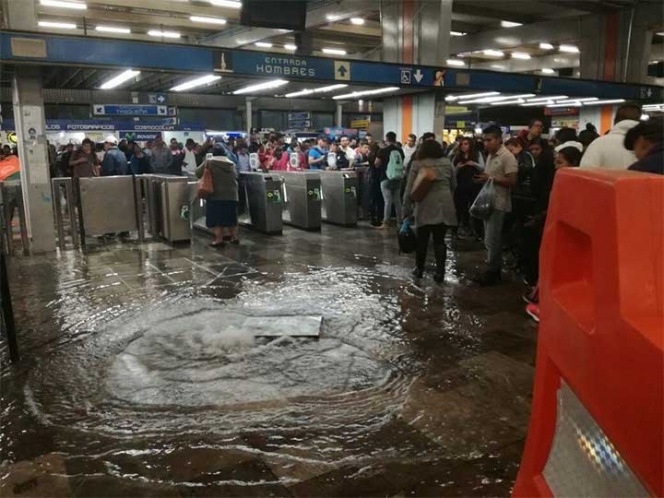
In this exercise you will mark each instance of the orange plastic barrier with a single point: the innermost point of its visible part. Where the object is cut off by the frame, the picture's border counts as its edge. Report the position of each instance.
(599, 383)
(10, 168)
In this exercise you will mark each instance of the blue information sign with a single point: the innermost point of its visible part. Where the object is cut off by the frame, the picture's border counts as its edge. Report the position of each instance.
(158, 98)
(129, 110)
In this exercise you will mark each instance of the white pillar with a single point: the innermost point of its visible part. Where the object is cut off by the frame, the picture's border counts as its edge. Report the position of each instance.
(249, 117)
(338, 116)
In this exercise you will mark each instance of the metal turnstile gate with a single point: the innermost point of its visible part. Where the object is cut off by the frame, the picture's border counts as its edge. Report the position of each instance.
(302, 199)
(11, 198)
(339, 192)
(109, 204)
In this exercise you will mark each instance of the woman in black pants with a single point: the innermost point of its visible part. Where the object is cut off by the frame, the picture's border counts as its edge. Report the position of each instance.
(433, 213)
(467, 164)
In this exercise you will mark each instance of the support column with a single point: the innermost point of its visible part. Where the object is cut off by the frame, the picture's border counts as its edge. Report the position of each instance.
(28, 103)
(33, 155)
(338, 115)
(416, 32)
(248, 119)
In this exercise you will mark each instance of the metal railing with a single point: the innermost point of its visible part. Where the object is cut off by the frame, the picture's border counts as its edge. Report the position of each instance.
(11, 200)
(69, 210)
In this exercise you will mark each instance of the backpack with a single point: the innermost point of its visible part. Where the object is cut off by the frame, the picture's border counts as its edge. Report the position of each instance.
(395, 166)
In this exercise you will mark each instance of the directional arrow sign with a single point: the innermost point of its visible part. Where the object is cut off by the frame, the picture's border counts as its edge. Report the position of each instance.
(418, 75)
(99, 109)
(161, 99)
(342, 70)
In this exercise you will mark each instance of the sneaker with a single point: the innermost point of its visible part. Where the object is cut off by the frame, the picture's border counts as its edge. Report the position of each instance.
(533, 310)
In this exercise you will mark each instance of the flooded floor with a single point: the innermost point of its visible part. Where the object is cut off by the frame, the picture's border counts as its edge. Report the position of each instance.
(139, 376)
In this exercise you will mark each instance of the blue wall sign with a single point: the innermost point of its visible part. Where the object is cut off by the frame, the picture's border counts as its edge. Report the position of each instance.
(90, 51)
(130, 110)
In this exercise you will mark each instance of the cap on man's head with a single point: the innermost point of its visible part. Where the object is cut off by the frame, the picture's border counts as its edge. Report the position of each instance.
(111, 140)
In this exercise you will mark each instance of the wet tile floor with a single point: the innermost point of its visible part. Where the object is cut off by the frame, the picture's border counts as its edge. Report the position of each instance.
(125, 390)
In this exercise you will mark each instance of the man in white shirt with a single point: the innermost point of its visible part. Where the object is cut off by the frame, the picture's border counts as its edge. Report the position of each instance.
(609, 152)
(409, 148)
(348, 150)
(189, 164)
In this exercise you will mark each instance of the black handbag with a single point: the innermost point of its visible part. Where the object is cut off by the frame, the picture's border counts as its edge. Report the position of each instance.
(407, 241)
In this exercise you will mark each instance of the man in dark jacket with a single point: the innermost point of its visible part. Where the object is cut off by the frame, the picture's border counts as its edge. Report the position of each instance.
(647, 141)
(115, 161)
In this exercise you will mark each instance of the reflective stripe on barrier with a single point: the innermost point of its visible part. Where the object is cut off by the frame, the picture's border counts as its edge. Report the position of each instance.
(599, 384)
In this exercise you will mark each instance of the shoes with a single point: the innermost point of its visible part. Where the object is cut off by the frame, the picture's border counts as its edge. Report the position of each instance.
(489, 279)
(439, 278)
(382, 227)
(218, 244)
(533, 310)
(417, 273)
(531, 297)
(235, 241)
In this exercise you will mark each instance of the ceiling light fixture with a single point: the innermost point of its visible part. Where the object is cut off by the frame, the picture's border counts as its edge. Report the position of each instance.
(455, 62)
(452, 98)
(542, 99)
(489, 100)
(334, 51)
(63, 4)
(307, 91)
(363, 93)
(263, 44)
(164, 34)
(231, 4)
(538, 104)
(546, 46)
(606, 101)
(112, 29)
(585, 99)
(509, 102)
(510, 24)
(493, 53)
(332, 17)
(120, 79)
(288, 46)
(268, 85)
(457, 33)
(569, 49)
(59, 25)
(548, 70)
(520, 55)
(357, 21)
(203, 80)
(207, 20)
(572, 104)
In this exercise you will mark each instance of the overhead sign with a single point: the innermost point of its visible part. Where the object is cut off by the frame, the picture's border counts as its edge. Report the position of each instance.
(294, 116)
(92, 125)
(130, 110)
(303, 123)
(342, 70)
(157, 98)
(360, 123)
(138, 136)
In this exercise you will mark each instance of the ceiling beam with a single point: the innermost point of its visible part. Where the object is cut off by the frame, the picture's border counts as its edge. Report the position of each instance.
(163, 8)
(472, 10)
(556, 30)
(370, 29)
(553, 61)
(316, 16)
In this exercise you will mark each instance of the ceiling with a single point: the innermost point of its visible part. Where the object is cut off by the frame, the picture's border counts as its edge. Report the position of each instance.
(472, 17)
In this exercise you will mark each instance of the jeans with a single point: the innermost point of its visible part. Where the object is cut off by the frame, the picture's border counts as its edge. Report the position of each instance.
(493, 240)
(391, 190)
(439, 247)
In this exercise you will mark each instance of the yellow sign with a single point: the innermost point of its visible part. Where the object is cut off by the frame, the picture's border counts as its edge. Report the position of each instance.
(359, 124)
(11, 136)
(461, 124)
(455, 109)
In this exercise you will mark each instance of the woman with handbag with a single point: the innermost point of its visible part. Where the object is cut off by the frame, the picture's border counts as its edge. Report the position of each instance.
(221, 202)
(429, 201)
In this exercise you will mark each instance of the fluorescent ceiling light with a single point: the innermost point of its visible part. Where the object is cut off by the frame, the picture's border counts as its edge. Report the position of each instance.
(203, 80)
(332, 17)
(493, 53)
(497, 66)
(207, 20)
(510, 24)
(288, 46)
(61, 25)
(357, 21)
(63, 4)
(488, 100)
(548, 70)
(538, 104)
(546, 46)
(509, 102)
(573, 104)
(661, 33)
(307, 91)
(261, 86)
(334, 51)
(455, 62)
(112, 29)
(543, 99)
(570, 49)
(645, 117)
(367, 92)
(263, 44)
(120, 79)
(606, 101)
(457, 33)
(226, 3)
(164, 34)
(520, 55)
(585, 99)
(452, 98)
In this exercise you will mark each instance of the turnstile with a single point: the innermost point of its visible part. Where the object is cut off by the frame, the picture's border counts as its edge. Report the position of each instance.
(364, 192)
(108, 204)
(339, 193)
(261, 199)
(11, 200)
(302, 199)
(168, 205)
